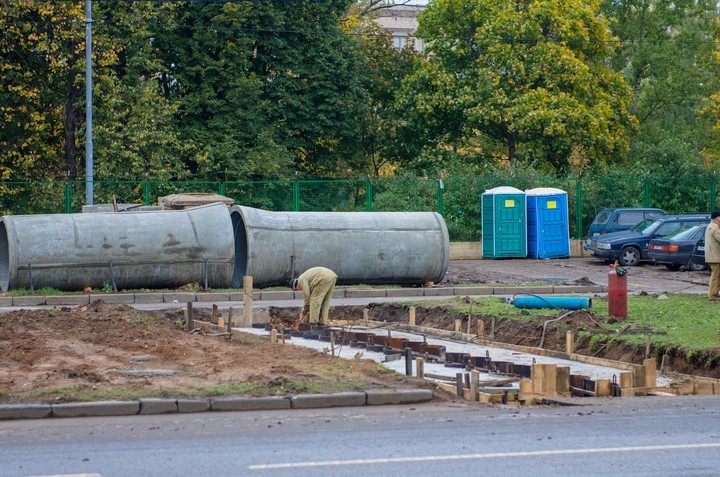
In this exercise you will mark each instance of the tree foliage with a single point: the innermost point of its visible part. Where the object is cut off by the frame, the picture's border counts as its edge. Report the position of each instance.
(523, 79)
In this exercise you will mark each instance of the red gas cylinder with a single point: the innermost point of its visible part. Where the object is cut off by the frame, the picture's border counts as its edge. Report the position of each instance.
(617, 294)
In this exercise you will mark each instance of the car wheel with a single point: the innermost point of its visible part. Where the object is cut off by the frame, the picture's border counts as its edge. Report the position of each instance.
(629, 256)
(672, 266)
(696, 267)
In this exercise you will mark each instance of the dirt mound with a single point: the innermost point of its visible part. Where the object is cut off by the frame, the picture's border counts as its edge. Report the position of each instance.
(70, 353)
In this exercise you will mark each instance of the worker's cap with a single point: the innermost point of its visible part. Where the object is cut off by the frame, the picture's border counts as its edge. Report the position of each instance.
(293, 283)
(715, 214)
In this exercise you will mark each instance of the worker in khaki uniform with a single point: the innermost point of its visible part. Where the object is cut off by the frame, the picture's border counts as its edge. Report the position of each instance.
(712, 254)
(317, 285)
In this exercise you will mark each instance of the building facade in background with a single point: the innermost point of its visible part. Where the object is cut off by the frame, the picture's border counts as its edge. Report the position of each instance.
(401, 21)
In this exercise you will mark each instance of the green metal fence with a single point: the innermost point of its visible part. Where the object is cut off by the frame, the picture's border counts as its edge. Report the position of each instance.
(456, 199)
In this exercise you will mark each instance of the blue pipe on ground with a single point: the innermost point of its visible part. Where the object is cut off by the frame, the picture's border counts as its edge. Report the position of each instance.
(557, 302)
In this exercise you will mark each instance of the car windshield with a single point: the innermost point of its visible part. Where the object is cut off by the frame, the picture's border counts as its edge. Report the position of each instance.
(684, 233)
(646, 227)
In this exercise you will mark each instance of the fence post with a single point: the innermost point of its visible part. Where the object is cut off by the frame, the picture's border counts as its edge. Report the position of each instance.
(68, 198)
(368, 195)
(221, 189)
(296, 196)
(713, 195)
(646, 184)
(578, 209)
(146, 192)
(440, 201)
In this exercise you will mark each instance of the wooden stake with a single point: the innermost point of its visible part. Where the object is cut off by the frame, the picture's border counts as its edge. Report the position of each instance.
(332, 343)
(665, 362)
(221, 322)
(492, 329)
(562, 385)
(470, 316)
(214, 313)
(189, 319)
(481, 328)
(247, 301)
(457, 324)
(570, 342)
(411, 315)
(273, 336)
(230, 319)
(602, 387)
(650, 365)
(626, 380)
(648, 342)
(474, 384)
(420, 365)
(366, 315)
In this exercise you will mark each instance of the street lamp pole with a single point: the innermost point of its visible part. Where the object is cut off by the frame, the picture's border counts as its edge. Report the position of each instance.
(89, 185)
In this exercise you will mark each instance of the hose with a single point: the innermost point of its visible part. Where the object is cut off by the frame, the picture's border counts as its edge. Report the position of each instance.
(542, 338)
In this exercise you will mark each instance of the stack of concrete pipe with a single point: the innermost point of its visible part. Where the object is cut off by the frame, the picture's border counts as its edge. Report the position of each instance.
(215, 248)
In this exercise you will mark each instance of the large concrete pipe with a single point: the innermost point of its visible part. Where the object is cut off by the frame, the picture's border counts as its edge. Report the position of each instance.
(404, 248)
(159, 249)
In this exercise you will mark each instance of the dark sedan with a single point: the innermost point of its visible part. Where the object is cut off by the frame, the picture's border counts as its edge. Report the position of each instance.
(697, 257)
(631, 246)
(674, 250)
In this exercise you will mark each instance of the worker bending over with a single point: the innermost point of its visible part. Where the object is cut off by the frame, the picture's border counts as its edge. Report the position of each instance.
(317, 285)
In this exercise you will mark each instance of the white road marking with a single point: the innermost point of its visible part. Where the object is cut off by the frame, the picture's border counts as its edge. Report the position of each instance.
(495, 455)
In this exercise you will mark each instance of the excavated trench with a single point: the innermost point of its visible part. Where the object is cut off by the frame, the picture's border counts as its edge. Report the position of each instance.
(528, 333)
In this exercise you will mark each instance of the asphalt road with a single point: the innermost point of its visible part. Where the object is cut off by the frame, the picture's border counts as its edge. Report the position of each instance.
(631, 436)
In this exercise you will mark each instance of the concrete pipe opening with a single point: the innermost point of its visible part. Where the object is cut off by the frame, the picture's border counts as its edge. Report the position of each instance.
(401, 248)
(149, 249)
(4, 258)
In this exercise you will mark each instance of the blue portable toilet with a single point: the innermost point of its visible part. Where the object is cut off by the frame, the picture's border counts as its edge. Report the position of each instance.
(548, 232)
(504, 228)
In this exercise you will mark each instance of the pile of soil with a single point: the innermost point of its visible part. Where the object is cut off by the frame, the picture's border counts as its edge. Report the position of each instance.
(57, 355)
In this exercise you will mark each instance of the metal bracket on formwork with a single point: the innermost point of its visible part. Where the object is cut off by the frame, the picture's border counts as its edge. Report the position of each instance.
(112, 276)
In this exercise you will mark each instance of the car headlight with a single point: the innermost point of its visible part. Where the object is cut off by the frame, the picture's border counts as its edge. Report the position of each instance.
(604, 246)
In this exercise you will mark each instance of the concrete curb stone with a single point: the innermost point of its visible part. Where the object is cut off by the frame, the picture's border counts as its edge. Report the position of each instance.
(366, 293)
(403, 292)
(182, 297)
(437, 291)
(31, 300)
(158, 406)
(308, 401)
(24, 411)
(404, 396)
(472, 291)
(277, 295)
(98, 408)
(212, 297)
(249, 403)
(148, 298)
(114, 298)
(193, 405)
(67, 300)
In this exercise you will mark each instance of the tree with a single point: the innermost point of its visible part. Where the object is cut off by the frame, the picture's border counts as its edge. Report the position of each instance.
(522, 80)
(665, 55)
(42, 65)
(378, 146)
(135, 130)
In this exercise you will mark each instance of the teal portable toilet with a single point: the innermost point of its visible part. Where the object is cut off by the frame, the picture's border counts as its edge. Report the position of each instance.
(504, 228)
(548, 233)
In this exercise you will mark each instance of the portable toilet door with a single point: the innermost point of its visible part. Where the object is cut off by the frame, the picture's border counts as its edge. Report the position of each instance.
(548, 230)
(504, 229)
